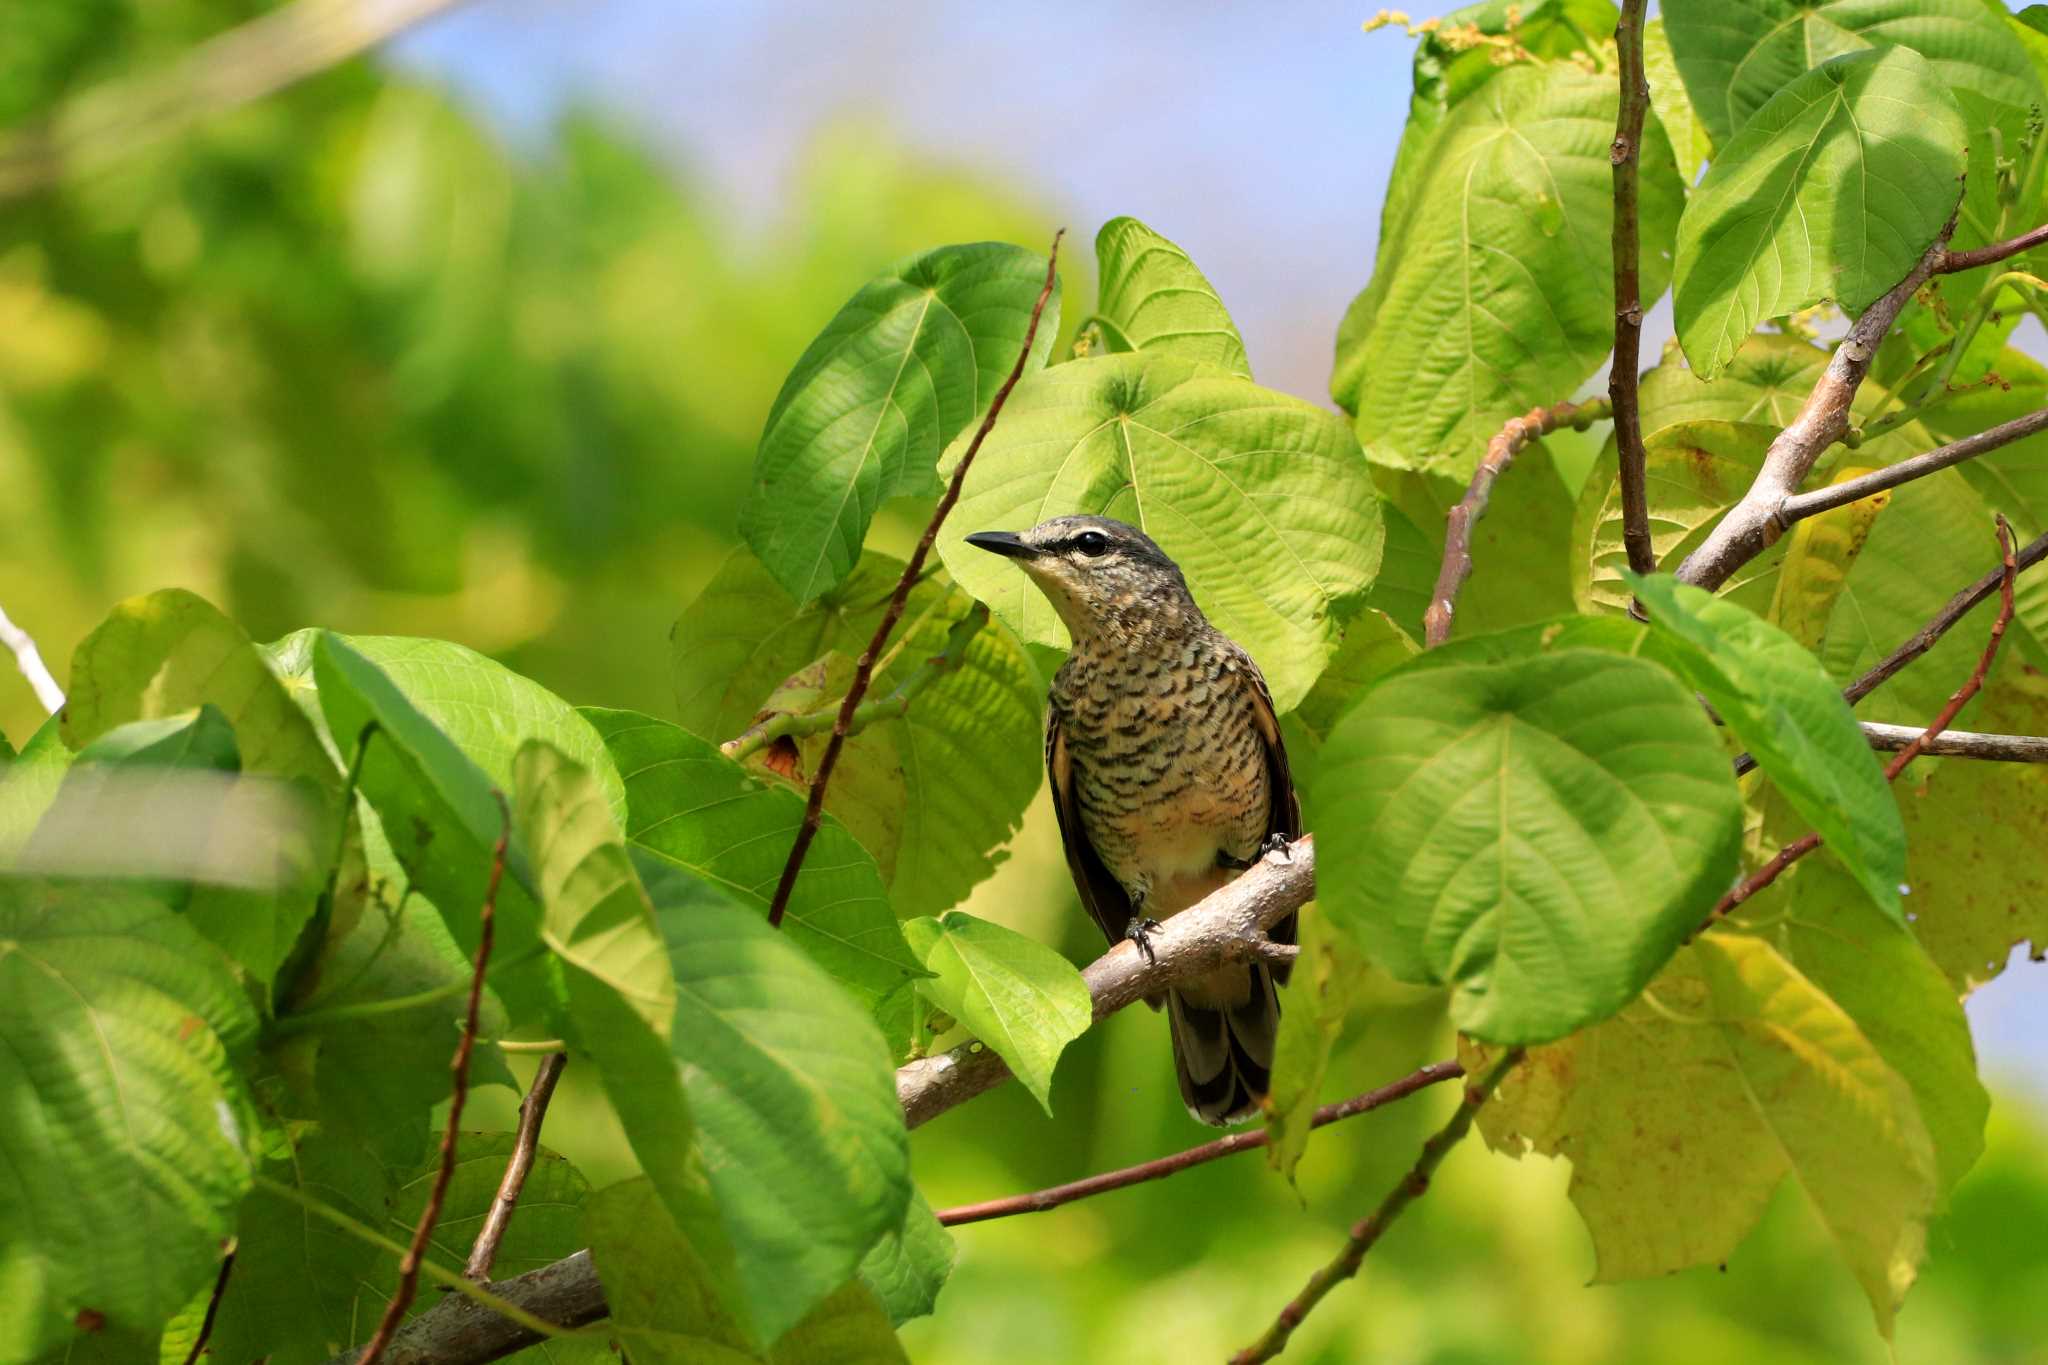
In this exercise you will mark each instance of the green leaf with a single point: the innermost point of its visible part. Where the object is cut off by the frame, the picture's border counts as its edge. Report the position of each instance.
(1017, 995)
(794, 1097)
(1690, 144)
(1494, 287)
(1313, 1005)
(28, 784)
(1789, 714)
(934, 794)
(1263, 500)
(1153, 298)
(1831, 191)
(120, 1029)
(1408, 571)
(594, 913)
(1819, 552)
(849, 1328)
(1735, 58)
(696, 810)
(1372, 645)
(665, 1306)
(909, 1266)
(910, 362)
(441, 814)
(1498, 816)
(1681, 1117)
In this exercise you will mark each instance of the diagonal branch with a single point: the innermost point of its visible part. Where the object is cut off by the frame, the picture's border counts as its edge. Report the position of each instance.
(1040, 1200)
(864, 671)
(1507, 443)
(532, 1110)
(1959, 743)
(1952, 261)
(1623, 375)
(1751, 524)
(1800, 506)
(1367, 1230)
(1953, 611)
(32, 666)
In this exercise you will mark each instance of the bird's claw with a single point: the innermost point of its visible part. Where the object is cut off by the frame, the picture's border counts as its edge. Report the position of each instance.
(1276, 843)
(1139, 931)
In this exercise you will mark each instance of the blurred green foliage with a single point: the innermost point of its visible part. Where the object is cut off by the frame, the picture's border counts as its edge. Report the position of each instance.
(345, 357)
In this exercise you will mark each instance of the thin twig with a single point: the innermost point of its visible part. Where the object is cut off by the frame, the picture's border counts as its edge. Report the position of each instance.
(220, 1289)
(1622, 376)
(1955, 610)
(1952, 261)
(32, 666)
(1751, 525)
(1807, 843)
(1800, 506)
(532, 1110)
(1959, 743)
(863, 671)
(1040, 1200)
(1507, 443)
(801, 724)
(409, 1264)
(1367, 1230)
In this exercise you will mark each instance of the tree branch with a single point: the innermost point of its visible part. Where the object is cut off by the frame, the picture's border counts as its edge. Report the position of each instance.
(1807, 843)
(460, 1331)
(244, 64)
(220, 1289)
(1952, 261)
(1227, 927)
(1507, 443)
(1367, 1230)
(1960, 743)
(1623, 375)
(1799, 506)
(532, 1111)
(32, 666)
(776, 725)
(864, 670)
(1751, 524)
(1041, 1200)
(1955, 610)
(409, 1265)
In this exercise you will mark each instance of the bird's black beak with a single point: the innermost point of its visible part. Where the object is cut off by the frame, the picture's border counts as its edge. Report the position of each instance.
(1005, 543)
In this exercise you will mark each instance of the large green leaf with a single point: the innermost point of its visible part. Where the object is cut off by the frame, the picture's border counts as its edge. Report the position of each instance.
(1494, 288)
(695, 809)
(1372, 645)
(1264, 501)
(933, 794)
(1783, 706)
(665, 1302)
(909, 1267)
(1831, 191)
(1735, 55)
(1681, 1116)
(1017, 995)
(126, 1145)
(28, 784)
(1313, 1005)
(1498, 815)
(1690, 142)
(909, 363)
(1153, 298)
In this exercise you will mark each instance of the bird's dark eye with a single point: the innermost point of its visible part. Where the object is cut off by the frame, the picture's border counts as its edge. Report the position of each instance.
(1092, 543)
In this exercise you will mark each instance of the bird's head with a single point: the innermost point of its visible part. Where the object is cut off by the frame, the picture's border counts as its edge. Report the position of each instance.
(1101, 576)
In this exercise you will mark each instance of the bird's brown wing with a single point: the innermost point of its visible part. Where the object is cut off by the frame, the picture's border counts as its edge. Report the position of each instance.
(1283, 807)
(1101, 893)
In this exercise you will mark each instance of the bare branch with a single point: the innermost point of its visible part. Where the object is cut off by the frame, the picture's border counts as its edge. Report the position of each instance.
(1802, 505)
(1507, 443)
(1960, 743)
(1040, 1200)
(244, 64)
(864, 670)
(1366, 1231)
(1751, 524)
(220, 1289)
(1953, 611)
(532, 1111)
(1807, 843)
(32, 666)
(1623, 376)
(1225, 928)
(409, 1265)
(460, 1331)
(1952, 261)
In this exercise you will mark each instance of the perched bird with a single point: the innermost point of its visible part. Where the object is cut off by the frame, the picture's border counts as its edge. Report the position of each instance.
(1168, 775)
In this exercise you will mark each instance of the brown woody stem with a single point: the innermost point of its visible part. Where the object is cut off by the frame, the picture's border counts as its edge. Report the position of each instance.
(1622, 376)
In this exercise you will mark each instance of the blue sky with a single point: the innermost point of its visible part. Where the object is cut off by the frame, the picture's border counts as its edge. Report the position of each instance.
(1259, 138)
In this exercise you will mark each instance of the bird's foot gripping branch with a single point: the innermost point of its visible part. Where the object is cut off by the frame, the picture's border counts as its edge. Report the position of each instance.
(257, 898)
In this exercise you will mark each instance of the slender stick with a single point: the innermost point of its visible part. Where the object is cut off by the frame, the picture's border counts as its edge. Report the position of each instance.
(1807, 843)
(1960, 743)
(1367, 1230)
(532, 1110)
(220, 1289)
(409, 1264)
(1040, 1200)
(32, 666)
(1802, 505)
(1622, 376)
(1507, 443)
(864, 670)
(1952, 261)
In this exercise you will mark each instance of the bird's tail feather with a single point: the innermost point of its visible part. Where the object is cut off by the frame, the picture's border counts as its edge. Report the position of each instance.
(1224, 1055)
